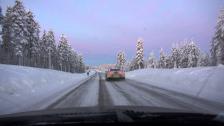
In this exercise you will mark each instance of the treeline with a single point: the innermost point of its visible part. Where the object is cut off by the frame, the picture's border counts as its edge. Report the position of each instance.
(183, 55)
(21, 43)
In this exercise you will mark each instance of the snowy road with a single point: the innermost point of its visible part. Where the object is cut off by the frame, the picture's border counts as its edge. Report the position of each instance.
(100, 93)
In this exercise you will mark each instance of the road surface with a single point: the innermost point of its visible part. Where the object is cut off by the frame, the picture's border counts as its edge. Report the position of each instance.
(101, 93)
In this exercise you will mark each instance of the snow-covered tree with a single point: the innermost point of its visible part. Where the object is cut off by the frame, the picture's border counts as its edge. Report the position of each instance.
(51, 48)
(62, 52)
(127, 66)
(2, 53)
(169, 62)
(162, 59)
(193, 55)
(139, 53)
(151, 61)
(44, 51)
(20, 43)
(175, 56)
(33, 39)
(18, 31)
(1, 22)
(73, 61)
(217, 45)
(184, 52)
(133, 64)
(203, 59)
(81, 66)
(121, 60)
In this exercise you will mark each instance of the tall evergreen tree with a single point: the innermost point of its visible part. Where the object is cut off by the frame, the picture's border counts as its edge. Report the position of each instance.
(44, 51)
(62, 52)
(2, 53)
(14, 32)
(51, 48)
(175, 56)
(33, 39)
(217, 45)
(81, 64)
(203, 60)
(162, 59)
(151, 61)
(1, 22)
(139, 53)
(193, 55)
(121, 60)
(73, 61)
(7, 30)
(184, 52)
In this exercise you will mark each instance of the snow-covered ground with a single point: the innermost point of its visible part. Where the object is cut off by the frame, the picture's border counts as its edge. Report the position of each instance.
(22, 87)
(204, 82)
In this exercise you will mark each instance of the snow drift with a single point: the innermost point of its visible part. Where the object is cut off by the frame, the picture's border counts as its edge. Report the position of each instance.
(22, 87)
(203, 82)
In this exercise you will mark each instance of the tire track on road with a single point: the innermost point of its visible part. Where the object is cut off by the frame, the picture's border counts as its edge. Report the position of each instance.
(131, 98)
(184, 101)
(104, 99)
(76, 92)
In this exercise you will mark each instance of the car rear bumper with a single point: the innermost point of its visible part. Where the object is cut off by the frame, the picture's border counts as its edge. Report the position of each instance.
(115, 77)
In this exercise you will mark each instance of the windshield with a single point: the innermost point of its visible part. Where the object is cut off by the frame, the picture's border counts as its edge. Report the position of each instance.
(57, 54)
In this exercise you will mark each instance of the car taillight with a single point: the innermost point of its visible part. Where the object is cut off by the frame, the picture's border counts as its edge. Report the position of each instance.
(121, 72)
(109, 73)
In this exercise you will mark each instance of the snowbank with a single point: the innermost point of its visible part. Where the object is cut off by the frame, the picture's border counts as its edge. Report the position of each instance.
(22, 87)
(204, 82)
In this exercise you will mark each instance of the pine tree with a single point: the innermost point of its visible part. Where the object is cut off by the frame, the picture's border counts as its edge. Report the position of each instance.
(162, 60)
(21, 44)
(62, 50)
(19, 31)
(73, 61)
(169, 62)
(193, 55)
(139, 53)
(69, 59)
(121, 60)
(118, 64)
(2, 53)
(217, 45)
(44, 51)
(203, 60)
(184, 52)
(1, 22)
(81, 66)
(51, 48)
(133, 64)
(33, 39)
(151, 61)
(175, 56)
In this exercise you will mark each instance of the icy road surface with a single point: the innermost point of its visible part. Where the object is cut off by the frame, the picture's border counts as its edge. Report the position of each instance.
(98, 92)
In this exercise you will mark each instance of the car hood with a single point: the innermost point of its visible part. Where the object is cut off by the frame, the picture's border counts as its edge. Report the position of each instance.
(107, 114)
(97, 110)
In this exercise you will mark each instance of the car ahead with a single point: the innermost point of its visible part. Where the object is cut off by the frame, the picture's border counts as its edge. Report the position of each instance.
(114, 74)
(111, 115)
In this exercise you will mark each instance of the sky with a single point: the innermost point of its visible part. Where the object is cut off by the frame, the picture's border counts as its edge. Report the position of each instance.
(98, 29)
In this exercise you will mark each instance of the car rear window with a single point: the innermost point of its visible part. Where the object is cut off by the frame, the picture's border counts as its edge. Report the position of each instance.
(114, 69)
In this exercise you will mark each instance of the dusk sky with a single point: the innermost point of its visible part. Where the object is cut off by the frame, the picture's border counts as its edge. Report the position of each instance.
(100, 28)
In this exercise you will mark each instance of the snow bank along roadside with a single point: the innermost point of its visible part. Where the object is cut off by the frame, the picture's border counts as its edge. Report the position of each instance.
(203, 82)
(21, 87)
